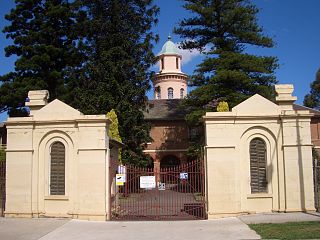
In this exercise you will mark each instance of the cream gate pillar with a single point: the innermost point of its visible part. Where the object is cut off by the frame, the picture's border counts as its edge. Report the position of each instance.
(259, 157)
(57, 162)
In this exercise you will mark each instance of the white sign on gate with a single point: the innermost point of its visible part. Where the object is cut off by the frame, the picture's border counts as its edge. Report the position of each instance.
(183, 175)
(161, 186)
(120, 179)
(147, 181)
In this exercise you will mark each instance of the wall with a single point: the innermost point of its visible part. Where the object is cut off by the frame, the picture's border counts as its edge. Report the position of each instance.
(170, 138)
(289, 162)
(87, 164)
(170, 80)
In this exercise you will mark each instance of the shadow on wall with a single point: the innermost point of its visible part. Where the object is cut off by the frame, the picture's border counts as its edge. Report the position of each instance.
(301, 177)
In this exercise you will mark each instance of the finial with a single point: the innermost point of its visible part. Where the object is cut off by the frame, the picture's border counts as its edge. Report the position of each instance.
(169, 37)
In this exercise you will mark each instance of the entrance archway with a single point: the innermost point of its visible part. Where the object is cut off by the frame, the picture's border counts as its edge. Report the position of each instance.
(169, 161)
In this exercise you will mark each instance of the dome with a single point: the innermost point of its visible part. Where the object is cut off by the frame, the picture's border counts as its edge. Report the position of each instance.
(169, 48)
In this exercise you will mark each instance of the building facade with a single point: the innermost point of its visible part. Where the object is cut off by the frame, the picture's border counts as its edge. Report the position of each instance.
(169, 130)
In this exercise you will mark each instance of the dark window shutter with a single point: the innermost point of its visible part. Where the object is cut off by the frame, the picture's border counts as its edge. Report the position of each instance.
(57, 169)
(258, 166)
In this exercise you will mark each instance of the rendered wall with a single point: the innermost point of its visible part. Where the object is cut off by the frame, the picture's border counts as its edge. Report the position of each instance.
(87, 182)
(289, 162)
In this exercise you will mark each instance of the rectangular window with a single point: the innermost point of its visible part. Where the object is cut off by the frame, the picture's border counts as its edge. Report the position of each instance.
(162, 64)
(177, 63)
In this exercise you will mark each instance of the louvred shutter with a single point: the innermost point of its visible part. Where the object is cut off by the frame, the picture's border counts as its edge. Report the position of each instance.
(57, 169)
(258, 163)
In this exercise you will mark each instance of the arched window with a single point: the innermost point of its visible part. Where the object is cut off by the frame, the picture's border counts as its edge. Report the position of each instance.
(258, 166)
(158, 93)
(181, 93)
(57, 169)
(162, 63)
(170, 93)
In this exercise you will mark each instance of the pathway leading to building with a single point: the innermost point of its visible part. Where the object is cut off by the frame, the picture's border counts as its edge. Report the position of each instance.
(62, 229)
(52, 229)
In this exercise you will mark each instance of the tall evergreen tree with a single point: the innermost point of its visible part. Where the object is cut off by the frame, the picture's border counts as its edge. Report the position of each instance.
(45, 49)
(312, 99)
(116, 75)
(221, 30)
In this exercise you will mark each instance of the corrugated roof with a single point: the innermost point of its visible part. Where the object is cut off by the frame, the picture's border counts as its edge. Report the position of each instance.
(300, 107)
(164, 109)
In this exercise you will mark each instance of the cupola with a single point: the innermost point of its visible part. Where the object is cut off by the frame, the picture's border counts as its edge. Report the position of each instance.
(170, 82)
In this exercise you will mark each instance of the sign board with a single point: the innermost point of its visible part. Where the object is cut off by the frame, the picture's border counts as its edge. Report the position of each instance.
(120, 179)
(147, 181)
(184, 175)
(161, 186)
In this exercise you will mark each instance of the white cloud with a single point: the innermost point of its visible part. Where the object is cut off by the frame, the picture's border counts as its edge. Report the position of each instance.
(187, 55)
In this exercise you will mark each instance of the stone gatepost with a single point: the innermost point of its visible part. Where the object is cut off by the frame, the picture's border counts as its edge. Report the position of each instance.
(58, 162)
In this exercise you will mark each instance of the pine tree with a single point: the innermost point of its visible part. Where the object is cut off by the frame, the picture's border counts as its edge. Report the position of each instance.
(221, 30)
(312, 99)
(43, 41)
(116, 75)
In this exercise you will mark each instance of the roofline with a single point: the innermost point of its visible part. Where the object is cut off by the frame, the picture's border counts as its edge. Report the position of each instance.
(312, 109)
(164, 119)
(170, 54)
(116, 143)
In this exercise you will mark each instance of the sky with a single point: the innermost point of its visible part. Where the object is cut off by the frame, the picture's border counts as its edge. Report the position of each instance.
(294, 26)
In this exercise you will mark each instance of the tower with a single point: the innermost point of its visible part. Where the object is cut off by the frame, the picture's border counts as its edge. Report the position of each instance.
(170, 82)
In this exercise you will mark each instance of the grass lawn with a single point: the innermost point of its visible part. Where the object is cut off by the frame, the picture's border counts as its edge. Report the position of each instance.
(294, 230)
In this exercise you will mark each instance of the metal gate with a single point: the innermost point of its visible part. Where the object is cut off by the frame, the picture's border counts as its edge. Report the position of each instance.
(173, 193)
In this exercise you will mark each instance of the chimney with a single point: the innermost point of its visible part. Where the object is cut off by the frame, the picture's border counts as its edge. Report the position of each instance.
(284, 96)
(37, 100)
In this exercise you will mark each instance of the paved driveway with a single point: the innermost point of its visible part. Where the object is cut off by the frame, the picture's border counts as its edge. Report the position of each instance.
(27, 229)
(49, 229)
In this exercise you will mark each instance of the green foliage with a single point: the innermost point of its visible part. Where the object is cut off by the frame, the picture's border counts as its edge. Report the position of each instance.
(43, 39)
(223, 107)
(114, 129)
(194, 151)
(93, 54)
(294, 230)
(221, 30)
(114, 126)
(312, 99)
(2, 154)
(116, 74)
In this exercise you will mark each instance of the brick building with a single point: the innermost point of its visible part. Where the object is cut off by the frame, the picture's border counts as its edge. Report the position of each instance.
(168, 127)
(315, 125)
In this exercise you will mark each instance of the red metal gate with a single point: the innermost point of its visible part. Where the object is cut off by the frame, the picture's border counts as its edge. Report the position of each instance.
(178, 193)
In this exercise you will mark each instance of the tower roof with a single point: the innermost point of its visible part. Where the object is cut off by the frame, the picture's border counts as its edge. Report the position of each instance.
(169, 47)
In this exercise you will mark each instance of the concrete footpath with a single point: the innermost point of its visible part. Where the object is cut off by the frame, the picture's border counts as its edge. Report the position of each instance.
(280, 217)
(225, 228)
(49, 229)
